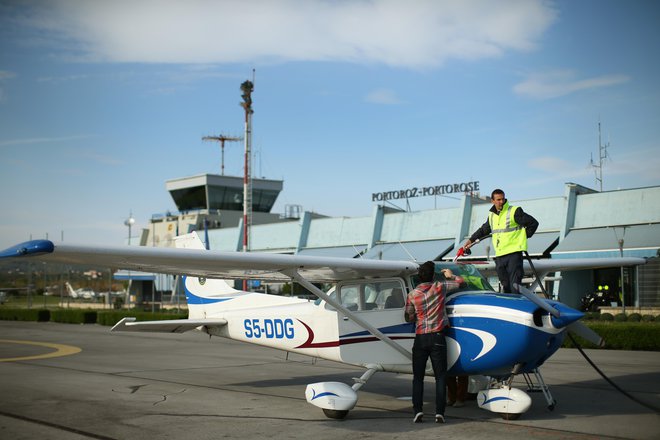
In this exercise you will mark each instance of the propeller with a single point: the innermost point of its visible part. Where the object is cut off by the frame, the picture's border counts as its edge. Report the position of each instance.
(536, 300)
(586, 333)
(576, 327)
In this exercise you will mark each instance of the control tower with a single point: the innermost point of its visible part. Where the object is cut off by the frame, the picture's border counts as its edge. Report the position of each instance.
(211, 201)
(216, 192)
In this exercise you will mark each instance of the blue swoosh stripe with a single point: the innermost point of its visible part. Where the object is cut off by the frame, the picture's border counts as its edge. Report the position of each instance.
(495, 399)
(192, 299)
(324, 394)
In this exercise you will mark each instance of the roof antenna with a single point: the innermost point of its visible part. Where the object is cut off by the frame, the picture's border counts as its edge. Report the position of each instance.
(602, 153)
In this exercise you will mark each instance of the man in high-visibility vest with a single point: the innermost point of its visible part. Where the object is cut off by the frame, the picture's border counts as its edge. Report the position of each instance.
(509, 227)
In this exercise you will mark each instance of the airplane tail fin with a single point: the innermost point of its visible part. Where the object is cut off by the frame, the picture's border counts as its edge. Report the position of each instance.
(203, 294)
(69, 289)
(189, 241)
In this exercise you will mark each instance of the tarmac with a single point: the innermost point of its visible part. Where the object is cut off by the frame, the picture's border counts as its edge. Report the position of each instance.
(65, 381)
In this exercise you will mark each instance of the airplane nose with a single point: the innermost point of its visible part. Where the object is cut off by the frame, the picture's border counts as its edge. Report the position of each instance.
(567, 316)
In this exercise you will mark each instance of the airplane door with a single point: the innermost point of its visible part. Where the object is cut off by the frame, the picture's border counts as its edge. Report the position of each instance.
(381, 304)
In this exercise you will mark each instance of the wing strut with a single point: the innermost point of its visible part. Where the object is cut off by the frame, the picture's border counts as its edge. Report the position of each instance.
(352, 316)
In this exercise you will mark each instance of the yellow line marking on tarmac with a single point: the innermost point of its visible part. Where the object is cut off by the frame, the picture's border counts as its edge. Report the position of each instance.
(60, 350)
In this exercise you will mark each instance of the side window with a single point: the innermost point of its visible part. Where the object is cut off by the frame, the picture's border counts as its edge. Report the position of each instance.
(350, 296)
(380, 295)
(395, 299)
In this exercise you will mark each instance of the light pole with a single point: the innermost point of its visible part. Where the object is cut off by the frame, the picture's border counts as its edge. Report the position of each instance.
(130, 221)
(623, 295)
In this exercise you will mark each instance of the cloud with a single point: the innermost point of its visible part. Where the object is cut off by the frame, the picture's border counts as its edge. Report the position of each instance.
(102, 159)
(383, 96)
(643, 164)
(560, 83)
(41, 140)
(558, 167)
(417, 34)
(4, 75)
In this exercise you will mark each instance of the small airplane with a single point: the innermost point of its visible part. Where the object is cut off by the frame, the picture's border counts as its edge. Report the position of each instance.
(358, 321)
(80, 293)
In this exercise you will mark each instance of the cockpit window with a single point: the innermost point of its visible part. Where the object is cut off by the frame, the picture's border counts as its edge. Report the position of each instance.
(474, 280)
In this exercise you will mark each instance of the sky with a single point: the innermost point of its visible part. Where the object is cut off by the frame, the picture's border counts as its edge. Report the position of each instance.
(102, 102)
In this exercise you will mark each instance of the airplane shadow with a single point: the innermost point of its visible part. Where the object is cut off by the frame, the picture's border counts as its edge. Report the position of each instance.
(589, 398)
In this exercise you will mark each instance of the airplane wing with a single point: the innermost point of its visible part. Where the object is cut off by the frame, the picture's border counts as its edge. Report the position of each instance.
(559, 264)
(166, 326)
(210, 264)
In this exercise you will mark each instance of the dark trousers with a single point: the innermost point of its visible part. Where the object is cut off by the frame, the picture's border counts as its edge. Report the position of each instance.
(510, 270)
(429, 345)
(457, 388)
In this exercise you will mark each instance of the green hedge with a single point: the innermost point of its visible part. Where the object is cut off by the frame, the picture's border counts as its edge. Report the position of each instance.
(112, 317)
(83, 316)
(41, 315)
(641, 336)
(73, 316)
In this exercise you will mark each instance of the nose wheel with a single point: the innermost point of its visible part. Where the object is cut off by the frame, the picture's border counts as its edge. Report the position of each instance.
(335, 414)
(510, 416)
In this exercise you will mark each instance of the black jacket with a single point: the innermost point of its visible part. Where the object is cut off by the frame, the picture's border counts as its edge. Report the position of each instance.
(522, 218)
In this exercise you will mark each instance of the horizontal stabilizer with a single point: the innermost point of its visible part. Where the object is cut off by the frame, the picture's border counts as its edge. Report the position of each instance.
(166, 326)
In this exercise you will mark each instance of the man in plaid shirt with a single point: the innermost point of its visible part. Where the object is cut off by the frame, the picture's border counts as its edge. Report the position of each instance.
(426, 306)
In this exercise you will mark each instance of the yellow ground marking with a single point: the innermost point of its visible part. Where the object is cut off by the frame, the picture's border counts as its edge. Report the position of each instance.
(60, 350)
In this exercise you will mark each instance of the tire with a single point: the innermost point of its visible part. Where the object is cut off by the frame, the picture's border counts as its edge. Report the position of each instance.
(510, 416)
(335, 414)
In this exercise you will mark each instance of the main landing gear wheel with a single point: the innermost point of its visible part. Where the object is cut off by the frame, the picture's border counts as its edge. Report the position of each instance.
(509, 416)
(335, 414)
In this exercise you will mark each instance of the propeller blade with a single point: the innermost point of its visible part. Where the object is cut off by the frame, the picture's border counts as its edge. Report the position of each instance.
(536, 300)
(586, 333)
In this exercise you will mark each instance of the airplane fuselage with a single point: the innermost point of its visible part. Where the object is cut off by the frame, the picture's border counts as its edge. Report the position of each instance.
(489, 333)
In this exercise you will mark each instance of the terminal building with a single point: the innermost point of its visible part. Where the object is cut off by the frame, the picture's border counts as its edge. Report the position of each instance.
(581, 222)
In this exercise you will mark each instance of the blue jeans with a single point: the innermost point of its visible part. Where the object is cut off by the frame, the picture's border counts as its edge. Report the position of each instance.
(429, 345)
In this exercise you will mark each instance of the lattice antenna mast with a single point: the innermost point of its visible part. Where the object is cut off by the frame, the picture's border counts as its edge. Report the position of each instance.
(222, 138)
(602, 155)
(246, 88)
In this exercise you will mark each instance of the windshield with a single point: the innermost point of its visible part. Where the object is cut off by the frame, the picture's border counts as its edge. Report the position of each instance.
(474, 280)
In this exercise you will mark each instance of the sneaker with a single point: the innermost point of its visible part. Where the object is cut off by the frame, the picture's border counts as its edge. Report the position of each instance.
(439, 418)
(459, 404)
(418, 417)
(450, 403)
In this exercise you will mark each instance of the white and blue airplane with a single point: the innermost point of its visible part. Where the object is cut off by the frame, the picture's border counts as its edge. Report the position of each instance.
(359, 321)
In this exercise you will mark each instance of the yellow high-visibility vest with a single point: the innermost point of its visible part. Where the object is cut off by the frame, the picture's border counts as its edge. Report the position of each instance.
(508, 236)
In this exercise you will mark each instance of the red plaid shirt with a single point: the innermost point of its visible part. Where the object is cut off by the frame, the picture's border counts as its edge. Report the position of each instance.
(427, 303)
